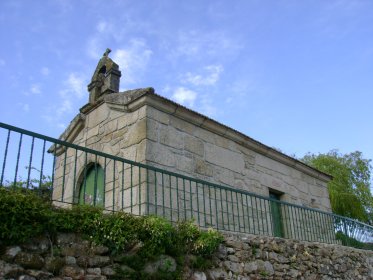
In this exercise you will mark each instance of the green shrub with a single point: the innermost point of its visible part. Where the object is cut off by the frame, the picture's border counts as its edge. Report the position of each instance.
(207, 242)
(156, 234)
(23, 215)
(116, 231)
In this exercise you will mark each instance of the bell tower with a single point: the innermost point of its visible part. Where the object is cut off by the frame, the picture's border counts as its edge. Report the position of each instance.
(105, 79)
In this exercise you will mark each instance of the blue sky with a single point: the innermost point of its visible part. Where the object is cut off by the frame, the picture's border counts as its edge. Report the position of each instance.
(294, 75)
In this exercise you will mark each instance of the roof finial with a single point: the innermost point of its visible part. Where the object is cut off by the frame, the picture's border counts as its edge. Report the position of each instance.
(106, 53)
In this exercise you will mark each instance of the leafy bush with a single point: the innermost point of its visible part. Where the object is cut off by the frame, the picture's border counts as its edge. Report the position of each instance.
(156, 234)
(23, 215)
(207, 242)
(116, 231)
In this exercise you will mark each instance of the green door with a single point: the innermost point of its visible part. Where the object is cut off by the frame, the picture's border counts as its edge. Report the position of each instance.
(276, 215)
(92, 188)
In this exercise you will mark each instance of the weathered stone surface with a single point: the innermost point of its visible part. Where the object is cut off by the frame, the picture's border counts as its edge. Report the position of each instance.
(11, 252)
(244, 257)
(100, 250)
(73, 271)
(54, 264)
(29, 260)
(26, 277)
(98, 261)
(198, 275)
(108, 271)
(10, 270)
(39, 274)
(163, 263)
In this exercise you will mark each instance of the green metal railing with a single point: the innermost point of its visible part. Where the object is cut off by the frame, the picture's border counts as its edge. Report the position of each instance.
(74, 174)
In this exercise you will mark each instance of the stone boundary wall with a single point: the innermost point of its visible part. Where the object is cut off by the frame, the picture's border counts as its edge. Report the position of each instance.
(244, 257)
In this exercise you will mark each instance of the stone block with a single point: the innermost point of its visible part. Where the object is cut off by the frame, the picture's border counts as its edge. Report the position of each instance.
(97, 116)
(169, 136)
(224, 158)
(203, 168)
(194, 145)
(158, 115)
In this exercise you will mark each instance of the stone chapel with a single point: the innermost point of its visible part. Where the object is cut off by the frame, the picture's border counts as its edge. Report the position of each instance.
(142, 126)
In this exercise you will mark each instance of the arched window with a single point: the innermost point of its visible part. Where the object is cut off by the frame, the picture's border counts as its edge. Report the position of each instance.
(91, 190)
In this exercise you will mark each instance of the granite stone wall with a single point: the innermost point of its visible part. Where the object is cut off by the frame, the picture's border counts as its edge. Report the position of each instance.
(243, 257)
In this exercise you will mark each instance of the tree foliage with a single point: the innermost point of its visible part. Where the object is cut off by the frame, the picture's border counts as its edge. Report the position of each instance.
(349, 190)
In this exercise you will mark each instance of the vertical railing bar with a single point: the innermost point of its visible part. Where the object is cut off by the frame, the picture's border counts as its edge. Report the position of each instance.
(147, 192)
(85, 178)
(261, 214)
(177, 198)
(288, 232)
(140, 183)
(191, 199)
(122, 186)
(257, 214)
(95, 183)
(232, 208)
(163, 206)
(5, 157)
(74, 179)
(299, 223)
(171, 205)
(227, 212)
(216, 210)
(104, 194)
(198, 218)
(295, 222)
(114, 164)
(185, 214)
(30, 162)
(238, 214)
(222, 208)
(209, 187)
(313, 225)
(243, 212)
(131, 188)
(204, 203)
(271, 219)
(252, 214)
(321, 236)
(53, 168)
(18, 155)
(64, 175)
(41, 167)
(248, 213)
(155, 193)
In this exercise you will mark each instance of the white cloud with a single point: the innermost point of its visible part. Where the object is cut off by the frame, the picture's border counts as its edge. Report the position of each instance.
(133, 60)
(95, 48)
(25, 107)
(103, 26)
(75, 84)
(212, 75)
(35, 89)
(45, 71)
(197, 44)
(74, 89)
(184, 96)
